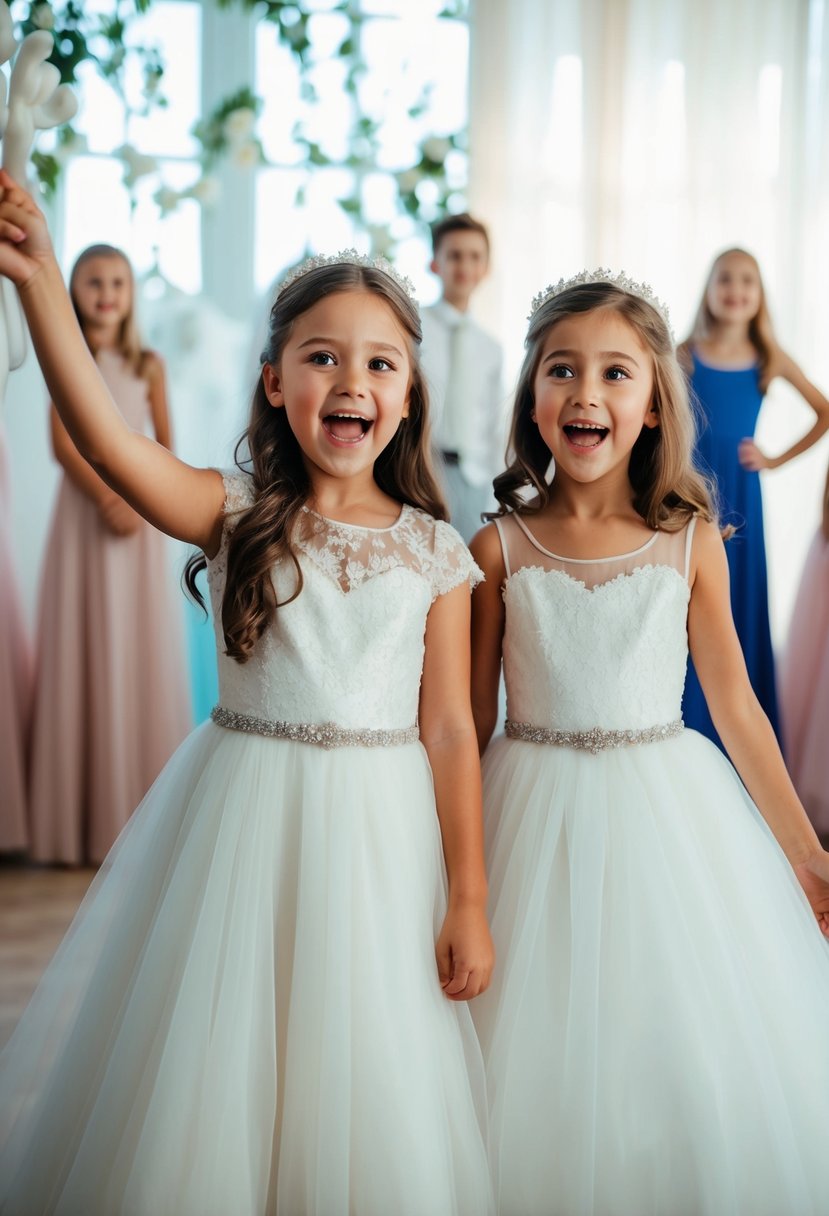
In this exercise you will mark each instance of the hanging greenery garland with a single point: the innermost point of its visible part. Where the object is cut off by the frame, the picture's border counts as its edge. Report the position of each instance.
(227, 135)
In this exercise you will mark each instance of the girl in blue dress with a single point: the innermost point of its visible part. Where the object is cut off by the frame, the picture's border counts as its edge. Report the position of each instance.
(731, 356)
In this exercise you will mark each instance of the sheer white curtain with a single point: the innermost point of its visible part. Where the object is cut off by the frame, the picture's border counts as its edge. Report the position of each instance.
(646, 135)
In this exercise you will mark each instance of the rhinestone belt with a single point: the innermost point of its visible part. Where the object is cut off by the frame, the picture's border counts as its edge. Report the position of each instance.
(597, 739)
(324, 734)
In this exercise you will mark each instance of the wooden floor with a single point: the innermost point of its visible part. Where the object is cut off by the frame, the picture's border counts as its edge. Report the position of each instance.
(36, 906)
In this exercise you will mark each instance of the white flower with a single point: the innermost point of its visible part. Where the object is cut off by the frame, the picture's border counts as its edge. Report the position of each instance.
(206, 190)
(167, 199)
(239, 124)
(43, 16)
(436, 148)
(246, 156)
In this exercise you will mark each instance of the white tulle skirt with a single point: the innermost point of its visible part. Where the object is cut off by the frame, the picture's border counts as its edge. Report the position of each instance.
(245, 1017)
(657, 1033)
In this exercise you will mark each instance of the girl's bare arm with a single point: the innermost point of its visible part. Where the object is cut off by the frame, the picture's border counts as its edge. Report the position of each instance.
(736, 713)
(464, 948)
(487, 633)
(753, 457)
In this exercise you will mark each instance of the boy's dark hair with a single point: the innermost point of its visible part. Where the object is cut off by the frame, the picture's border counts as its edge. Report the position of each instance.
(463, 222)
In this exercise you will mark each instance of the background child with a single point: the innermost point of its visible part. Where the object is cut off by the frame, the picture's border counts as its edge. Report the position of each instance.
(15, 683)
(655, 1035)
(251, 1013)
(463, 367)
(111, 701)
(804, 681)
(732, 355)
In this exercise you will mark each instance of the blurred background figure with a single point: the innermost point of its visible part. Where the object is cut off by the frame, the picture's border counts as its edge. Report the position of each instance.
(111, 701)
(732, 355)
(463, 366)
(804, 681)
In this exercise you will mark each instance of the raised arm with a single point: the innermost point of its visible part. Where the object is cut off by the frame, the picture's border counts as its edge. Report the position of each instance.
(752, 457)
(464, 948)
(487, 633)
(180, 500)
(743, 727)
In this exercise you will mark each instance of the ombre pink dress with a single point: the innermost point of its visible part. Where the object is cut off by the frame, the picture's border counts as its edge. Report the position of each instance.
(15, 684)
(804, 687)
(111, 701)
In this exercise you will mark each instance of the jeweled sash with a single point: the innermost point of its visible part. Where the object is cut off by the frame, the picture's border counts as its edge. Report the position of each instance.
(597, 739)
(323, 734)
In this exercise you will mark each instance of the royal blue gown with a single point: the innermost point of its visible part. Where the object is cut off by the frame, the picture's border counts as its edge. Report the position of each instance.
(729, 401)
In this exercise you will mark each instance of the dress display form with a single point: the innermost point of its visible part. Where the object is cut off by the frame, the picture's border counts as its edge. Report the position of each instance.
(15, 683)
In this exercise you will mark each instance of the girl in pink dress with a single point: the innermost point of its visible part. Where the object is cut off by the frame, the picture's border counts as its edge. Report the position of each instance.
(804, 681)
(15, 685)
(111, 702)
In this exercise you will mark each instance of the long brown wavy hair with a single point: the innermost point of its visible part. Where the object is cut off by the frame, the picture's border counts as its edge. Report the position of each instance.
(128, 341)
(271, 454)
(667, 488)
(760, 328)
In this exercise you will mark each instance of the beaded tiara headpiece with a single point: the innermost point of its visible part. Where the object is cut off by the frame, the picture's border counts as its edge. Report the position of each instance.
(602, 275)
(352, 258)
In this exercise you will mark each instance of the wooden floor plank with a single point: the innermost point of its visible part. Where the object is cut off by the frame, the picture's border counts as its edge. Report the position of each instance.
(36, 907)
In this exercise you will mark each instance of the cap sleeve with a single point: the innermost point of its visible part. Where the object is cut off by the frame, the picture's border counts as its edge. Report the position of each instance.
(453, 563)
(239, 497)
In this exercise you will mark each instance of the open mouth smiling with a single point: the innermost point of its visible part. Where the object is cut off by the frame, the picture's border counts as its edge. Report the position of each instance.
(347, 427)
(585, 435)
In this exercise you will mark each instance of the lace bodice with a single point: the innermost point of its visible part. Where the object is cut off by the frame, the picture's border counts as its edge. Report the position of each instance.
(349, 649)
(595, 643)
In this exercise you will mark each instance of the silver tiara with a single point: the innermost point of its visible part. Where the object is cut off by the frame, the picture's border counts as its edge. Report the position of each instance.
(602, 275)
(353, 258)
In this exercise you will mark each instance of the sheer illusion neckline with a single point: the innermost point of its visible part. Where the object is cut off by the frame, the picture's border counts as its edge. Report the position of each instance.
(339, 523)
(583, 561)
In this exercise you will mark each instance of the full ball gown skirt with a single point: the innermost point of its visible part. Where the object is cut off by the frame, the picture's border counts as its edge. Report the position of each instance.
(246, 1018)
(804, 687)
(655, 1034)
(111, 702)
(15, 683)
(730, 402)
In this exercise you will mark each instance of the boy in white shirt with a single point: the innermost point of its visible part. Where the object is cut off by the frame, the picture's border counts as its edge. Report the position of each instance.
(463, 367)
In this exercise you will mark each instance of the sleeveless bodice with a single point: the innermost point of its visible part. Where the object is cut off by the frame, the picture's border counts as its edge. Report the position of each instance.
(595, 644)
(730, 399)
(349, 648)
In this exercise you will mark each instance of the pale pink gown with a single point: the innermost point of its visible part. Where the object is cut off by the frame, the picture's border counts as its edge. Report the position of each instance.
(15, 683)
(804, 687)
(111, 701)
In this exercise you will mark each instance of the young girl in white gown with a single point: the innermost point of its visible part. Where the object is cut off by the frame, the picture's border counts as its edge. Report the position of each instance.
(250, 1014)
(655, 1037)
